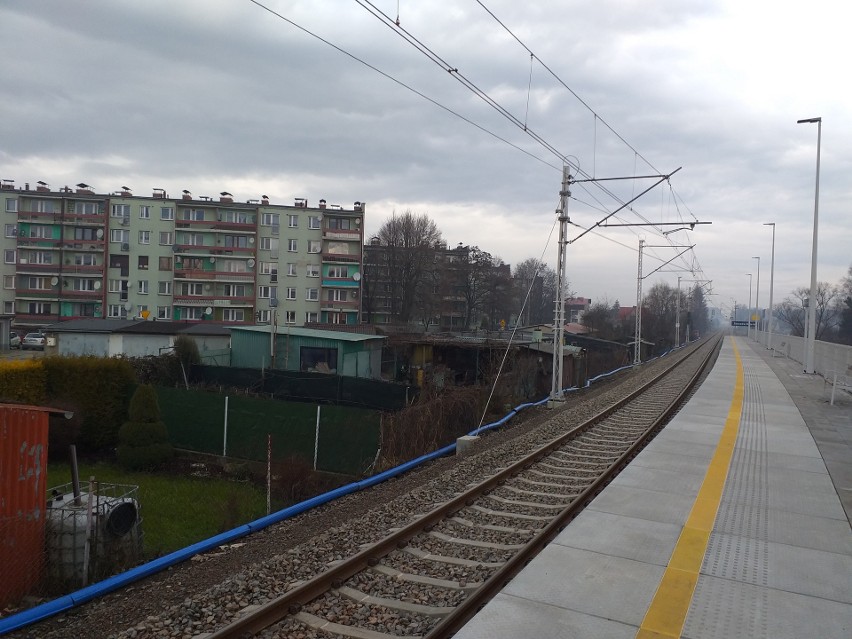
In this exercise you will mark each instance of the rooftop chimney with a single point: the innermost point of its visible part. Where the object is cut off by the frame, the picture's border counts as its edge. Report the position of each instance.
(322, 204)
(264, 199)
(160, 194)
(42, 187)
(187, 195)
(226, 197)
(301, 202)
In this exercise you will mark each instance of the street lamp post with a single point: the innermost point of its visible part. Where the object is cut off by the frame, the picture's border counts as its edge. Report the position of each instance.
(677, 314)
(757, 297)
(771, 285)
(811, 318)
(748, 326)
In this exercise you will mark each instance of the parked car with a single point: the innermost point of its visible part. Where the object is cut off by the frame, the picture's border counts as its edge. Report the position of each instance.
(34, 341)
(14, 340)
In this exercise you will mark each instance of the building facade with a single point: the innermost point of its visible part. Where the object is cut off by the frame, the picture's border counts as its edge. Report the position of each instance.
(74, 253)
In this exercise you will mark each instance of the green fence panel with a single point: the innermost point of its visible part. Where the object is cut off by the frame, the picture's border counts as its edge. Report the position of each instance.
(348, 437)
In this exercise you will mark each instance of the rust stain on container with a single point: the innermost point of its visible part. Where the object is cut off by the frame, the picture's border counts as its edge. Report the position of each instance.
(23, 483)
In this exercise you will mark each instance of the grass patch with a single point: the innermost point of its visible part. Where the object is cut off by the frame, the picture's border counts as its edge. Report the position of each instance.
(177, 510)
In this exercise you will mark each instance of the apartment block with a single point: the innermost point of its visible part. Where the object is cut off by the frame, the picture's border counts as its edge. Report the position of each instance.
(74, 253)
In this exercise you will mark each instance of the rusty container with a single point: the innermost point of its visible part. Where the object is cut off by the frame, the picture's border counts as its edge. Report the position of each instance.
(23, 484)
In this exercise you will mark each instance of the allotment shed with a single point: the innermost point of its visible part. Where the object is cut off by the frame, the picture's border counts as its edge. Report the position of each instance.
(307, 349)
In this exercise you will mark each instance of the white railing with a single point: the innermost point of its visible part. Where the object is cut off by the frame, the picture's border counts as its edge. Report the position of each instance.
(829, 358)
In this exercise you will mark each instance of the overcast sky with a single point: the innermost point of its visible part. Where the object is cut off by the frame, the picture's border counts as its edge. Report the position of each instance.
(222, 95)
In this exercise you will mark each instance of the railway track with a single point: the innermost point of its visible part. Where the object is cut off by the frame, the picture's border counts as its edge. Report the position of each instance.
(427, 577)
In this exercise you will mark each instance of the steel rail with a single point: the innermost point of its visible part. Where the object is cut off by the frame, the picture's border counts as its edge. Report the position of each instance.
(462, 613)
(292, 601)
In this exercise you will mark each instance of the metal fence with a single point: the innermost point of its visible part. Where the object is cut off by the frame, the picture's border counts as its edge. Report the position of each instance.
(829, 358)
(340, 439)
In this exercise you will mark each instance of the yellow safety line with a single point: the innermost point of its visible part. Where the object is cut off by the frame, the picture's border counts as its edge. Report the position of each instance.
(667, 613)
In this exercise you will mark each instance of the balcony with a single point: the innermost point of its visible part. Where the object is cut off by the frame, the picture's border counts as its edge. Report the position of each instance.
(83, 245)
(342, 234)
(337, 258)
(84, 219)
(39, 242)
(26, 267)
(348, 305)
(39, 319)
(68, 293)
(39, 294)
(213, 276)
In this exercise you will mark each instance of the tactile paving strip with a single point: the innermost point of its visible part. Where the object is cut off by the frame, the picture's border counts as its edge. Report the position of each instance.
(718, 611)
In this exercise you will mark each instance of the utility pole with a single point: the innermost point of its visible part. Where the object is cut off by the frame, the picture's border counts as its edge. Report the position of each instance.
(556, 394)
(637, 344)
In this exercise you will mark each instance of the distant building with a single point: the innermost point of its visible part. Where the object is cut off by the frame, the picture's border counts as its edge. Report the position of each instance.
(74, 254)
(574, 309)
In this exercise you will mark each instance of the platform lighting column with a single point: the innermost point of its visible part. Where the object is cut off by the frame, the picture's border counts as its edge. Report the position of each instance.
(811, 317)
(677, 314)
(757, 298)
(771, 285)
(750, 310)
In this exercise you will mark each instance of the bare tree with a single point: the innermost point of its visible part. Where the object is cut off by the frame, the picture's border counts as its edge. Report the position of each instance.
(602, 320)
(410, 242)
(828, 310)
(534, 276)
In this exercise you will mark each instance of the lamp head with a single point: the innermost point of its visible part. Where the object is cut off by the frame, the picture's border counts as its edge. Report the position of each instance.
(809, 121)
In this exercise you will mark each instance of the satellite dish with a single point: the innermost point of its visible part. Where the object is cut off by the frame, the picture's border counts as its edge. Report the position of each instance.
(100, 234)
(208, 311)
(273, 302)
(251, 240)
(212, 260)
(128, 306)
(250, 262)
(356, 276)
(54, 281)
(97, 285)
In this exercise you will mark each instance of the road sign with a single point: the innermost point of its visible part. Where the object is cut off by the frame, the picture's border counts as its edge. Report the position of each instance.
(740, 323)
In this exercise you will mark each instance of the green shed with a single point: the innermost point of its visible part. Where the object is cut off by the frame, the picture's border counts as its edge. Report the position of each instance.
(307, 349)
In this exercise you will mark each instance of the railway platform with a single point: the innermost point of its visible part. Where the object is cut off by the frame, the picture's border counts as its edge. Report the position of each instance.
(733, 522)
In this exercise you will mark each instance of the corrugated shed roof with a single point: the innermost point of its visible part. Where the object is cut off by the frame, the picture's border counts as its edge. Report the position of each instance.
(142, 327)
(310, 332)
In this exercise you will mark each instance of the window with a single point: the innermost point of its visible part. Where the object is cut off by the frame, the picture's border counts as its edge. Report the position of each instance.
(164, 287)
(39, 308)
(291, 292)
(166, 238)
(314, 246)
(312, 294)
(85, 259)
(293, 221)
(43, 232)
(39, 257)
(119, 236)
(269, 219)
(116, 310)
(9, 256)
(267, 292)
(193, 312)
(37, 283)
(11, 230)
(165, 264)
(337, 318)
(11, 205)
(233, 315)
(235, 290)
(266, 268)
(196, 215)
(167, 213)
(8, 281)
(292, 246)
(145, 212)
(338, 272)
(114, 286)
(163, 312)
(143, 287)
(342, 223)
(311, 317)
(86, 208)
(290, 317)
(120, 210)
(144, 237)
(192, 288)
(191, 239)
(141, 308)
(269, 243)
(86, 234)
(44, 206)
(291, 269)
(336, 295)
(314, 222)
(84, 285)
(236, 241)
(313, 270)
(143, 262)
(8, 307)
